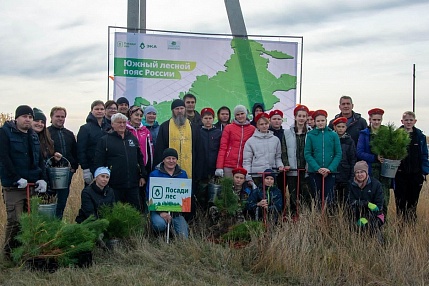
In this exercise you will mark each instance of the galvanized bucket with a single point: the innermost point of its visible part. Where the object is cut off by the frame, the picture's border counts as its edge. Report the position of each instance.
(214, 191)
(59, 177)
(48, 209)
(389, 168)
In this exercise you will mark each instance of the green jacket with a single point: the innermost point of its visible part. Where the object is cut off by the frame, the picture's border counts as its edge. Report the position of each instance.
(322, 150)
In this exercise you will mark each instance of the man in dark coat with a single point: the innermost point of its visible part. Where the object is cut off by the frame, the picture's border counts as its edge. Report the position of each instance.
(355, 123)
(120, 152)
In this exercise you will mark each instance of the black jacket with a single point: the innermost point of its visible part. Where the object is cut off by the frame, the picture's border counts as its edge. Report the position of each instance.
(353, 129)
(65, 143)
(20, 155)
(348, 160)
(87, 139)
(358, 198)
(162, 142)
(210, 139)
(92, 198)
(124, 159)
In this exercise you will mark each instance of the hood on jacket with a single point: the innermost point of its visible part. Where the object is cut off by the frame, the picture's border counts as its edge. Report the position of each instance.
(160, 167)
(155, 124)
(129, 126)
(247, 122)
(259, 134)
(256, 105)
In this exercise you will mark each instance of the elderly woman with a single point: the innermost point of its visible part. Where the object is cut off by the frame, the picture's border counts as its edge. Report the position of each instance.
(234, 137)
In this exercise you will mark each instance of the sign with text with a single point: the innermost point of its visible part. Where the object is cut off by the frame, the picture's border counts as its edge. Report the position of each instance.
(170, 194)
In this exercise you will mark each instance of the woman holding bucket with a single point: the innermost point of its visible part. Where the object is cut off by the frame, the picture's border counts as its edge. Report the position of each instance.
(374, 160)
(95, 195)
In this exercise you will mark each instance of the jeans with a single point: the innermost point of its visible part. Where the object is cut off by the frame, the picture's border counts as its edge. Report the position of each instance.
(160, 225)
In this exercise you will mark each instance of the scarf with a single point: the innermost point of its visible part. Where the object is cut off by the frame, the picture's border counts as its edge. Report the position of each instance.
(181, 140)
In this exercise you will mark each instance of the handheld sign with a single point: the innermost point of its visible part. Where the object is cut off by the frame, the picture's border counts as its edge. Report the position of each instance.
(168, 194)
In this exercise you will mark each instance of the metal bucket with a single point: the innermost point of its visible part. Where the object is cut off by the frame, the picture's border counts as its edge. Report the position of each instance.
(389, 168)
(214, 191)
(48, 210)
(59, 177)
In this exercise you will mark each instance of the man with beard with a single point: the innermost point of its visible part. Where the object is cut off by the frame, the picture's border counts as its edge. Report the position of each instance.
(178, 133)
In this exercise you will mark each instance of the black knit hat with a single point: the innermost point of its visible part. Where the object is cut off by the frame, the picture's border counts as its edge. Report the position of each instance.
(269, 173)
(170, 152)
(23, 110)
(177, 103)
(123, 100)
(38, 115)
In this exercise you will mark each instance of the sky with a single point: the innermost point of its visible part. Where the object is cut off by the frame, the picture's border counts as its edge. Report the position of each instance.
(55, 52)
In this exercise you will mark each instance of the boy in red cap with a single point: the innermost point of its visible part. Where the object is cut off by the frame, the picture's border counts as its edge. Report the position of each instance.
(364, 152)
(210, 140)
(348, 159)
(242, 192)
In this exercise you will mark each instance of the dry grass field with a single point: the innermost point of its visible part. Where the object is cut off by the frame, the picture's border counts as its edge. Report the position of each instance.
(314, 251)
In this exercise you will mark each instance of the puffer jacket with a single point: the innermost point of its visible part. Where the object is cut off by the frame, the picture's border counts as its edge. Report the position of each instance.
(92, 198)
(290, 137)
(232, 143)
(262, 151)
(322, 150)
(354, 127)
(144, 137)
(87, 139)
(363, 149)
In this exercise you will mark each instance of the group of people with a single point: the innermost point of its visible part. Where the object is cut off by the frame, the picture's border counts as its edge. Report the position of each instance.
(121, 146)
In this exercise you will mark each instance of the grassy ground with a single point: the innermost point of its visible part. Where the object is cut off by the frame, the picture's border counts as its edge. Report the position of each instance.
(315, 251)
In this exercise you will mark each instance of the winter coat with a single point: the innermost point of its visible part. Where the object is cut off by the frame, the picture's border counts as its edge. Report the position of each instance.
(363, 149)
(322, 150)
(145, 141)
(290, 137)
(196, 120)
(87, 139)
(256, 105)
(275, 201)
(234, 137)
(417, 158)
(65, 143)
(162, 143)
(348, 160)
(358, 198)
(92, 198)
(154, 129)
(262, 151)
(210, 139)
(20, 155)
(124, 159)
(220, 126)
(356, 125)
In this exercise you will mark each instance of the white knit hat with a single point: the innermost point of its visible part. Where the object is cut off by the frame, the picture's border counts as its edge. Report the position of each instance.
(240, 108)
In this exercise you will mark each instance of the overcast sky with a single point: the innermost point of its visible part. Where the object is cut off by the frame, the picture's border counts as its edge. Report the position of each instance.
(55, 52)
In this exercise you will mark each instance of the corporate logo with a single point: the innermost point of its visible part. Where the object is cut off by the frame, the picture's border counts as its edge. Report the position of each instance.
(157, 192)
(173, 45)
(131, 143)
(123, 44)
(147, 46)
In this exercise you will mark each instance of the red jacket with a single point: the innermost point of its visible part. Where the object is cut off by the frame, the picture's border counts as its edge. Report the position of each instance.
(234, 137)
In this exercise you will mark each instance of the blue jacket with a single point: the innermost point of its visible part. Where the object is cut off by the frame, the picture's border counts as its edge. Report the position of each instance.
(322, 150)
(363, 149)
(20, 155)
(275, 201)
(154, 129)
(87, 139)
(160, 172)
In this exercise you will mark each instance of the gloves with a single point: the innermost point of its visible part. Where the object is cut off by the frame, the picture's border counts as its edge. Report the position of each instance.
(373, 207)
(87, 176)
(40, 186)
(362, 221)
(219, 173)
(22, 183)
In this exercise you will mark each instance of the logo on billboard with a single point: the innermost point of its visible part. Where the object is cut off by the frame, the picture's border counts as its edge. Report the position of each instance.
(157, 192)
(123, 44)
(147, 46)
(173, 45)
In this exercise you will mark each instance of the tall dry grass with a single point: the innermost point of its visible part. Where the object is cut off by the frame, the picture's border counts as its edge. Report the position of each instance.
(317, 250)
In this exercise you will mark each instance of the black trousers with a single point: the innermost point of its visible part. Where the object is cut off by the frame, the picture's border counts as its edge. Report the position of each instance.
(407, 192)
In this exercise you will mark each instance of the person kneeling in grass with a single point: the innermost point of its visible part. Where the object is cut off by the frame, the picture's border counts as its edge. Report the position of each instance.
(95, 195)
(365, 200)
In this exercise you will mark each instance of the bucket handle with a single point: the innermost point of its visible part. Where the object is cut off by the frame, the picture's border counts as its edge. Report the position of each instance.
(50, 159)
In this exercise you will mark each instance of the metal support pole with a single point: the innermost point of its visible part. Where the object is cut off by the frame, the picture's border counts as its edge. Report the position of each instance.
(133, 12)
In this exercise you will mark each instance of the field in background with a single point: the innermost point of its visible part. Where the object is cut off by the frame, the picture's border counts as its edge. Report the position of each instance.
(314, 251)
